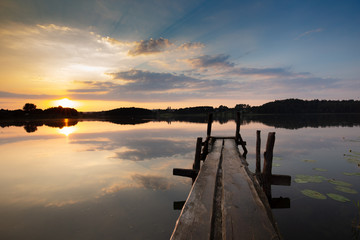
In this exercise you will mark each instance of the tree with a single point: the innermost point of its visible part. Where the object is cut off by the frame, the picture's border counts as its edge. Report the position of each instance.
(29, 107)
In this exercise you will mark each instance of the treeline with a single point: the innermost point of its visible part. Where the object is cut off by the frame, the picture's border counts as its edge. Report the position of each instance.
(31, 111)
(287, 106)
(296, 106)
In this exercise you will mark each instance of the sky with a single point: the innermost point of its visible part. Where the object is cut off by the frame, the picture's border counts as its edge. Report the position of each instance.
(105, 54)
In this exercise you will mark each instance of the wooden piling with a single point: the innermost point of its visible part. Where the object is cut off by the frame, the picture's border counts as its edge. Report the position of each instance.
(197, 159)
(237, 133)
(210, 121)
(267, 167)
(258, 158)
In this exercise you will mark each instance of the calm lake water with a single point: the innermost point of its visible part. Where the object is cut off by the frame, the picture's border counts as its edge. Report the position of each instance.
(101, 180)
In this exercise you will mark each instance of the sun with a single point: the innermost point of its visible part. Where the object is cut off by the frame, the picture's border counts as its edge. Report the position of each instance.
(66, 103)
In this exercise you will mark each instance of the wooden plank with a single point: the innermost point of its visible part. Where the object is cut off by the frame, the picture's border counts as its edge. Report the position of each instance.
(196, 217)
(244, 214)
(192, 173)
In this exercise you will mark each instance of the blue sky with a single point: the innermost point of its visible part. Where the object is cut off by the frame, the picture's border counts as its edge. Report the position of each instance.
(110, 53)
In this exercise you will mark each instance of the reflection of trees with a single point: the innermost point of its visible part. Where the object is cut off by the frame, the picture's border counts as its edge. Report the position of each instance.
(31, 126)
(295, 121)
(61, 123)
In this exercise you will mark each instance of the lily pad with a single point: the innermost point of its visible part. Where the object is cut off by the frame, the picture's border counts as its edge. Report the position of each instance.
(276, 165)
(339, 183)
(352, 160)
(313, 194)
(277, 158)
(354, 152)
(307, 179)
(338, 197)
(308, 160)
(351, 174)
(346, 189)
(320, 169)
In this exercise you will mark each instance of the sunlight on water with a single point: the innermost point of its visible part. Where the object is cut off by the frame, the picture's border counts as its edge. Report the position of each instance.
(67, 130)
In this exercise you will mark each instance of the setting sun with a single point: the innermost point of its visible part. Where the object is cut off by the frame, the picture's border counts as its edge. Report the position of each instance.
(66, 103)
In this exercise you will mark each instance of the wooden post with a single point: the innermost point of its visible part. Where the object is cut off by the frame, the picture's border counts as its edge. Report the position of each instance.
(210, 120)
(237, 133)
(197, 159)
(191, 173)
(258, 158)
(267, 167)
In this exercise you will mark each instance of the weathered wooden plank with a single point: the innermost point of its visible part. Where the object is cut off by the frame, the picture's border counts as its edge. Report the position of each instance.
(195, 218)
(244, 214)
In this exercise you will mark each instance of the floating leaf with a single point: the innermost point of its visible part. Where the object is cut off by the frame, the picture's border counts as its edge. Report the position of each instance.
(276, 165)
(307, 179)
(354, 152)
(320, 169)
(308, 161)
(313, 194)
(277, 158)
(351, 174)
(338, 197)
(339, 183)
(345, 189)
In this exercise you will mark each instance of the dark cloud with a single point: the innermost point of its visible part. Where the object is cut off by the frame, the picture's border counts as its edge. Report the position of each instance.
(205, 61)
(150, 46)
(279, 72)
(138, 85)
(152, 182)
(144, 80)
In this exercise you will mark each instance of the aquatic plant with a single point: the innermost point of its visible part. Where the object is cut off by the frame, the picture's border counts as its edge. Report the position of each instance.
(345, 189)
(338, 197)
(313, 194)
(352, 174)
(307, 179)
(308, 160)
(320, 169)
(339, 183)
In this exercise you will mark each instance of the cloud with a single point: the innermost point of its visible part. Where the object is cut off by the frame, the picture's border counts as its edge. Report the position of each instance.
(139, 85)
(28, 96)
(152, 182)
(267, 72)
(50, 27)
(309, 32)
(190, 45)
(150, 46)
(205, 61)
(140, 150)
(138, 80)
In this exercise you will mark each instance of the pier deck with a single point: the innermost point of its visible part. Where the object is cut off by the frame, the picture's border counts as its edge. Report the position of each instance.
(226, 200)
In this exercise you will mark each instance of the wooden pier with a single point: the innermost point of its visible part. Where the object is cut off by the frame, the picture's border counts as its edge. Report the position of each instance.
(227, 200)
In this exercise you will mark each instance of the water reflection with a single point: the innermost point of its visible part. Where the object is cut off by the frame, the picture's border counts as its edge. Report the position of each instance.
(108, 180)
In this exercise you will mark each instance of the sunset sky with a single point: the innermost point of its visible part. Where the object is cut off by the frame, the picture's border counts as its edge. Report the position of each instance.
(105, 54)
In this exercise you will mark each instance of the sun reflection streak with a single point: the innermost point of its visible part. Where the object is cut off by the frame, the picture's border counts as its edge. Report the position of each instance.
(66, 130)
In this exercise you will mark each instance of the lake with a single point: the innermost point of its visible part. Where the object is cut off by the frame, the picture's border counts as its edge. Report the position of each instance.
(103, 180)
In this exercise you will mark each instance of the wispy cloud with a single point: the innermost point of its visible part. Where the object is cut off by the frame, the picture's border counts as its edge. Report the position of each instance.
(309, 32)
(191, 45)
(205, 61)
(26, 96)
